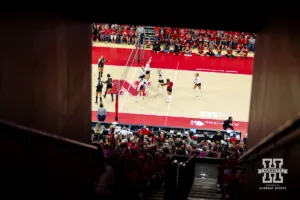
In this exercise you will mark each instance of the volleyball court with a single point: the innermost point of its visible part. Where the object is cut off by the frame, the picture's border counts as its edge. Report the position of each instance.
(225, 94)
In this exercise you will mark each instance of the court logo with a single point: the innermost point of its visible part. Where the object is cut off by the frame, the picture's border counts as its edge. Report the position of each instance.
(272, 172)
(196, 123)
(125, 86)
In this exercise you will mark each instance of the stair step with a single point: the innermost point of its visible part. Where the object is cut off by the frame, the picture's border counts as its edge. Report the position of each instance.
(205, 196)
(192, 198)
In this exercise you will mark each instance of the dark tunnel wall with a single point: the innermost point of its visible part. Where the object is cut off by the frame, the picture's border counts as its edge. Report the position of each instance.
(275, 96)
(46, 75)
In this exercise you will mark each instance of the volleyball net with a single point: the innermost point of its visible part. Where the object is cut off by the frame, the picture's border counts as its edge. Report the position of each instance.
(136, 56)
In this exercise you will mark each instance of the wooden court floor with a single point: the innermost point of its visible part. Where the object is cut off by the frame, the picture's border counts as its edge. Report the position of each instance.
(225, 94)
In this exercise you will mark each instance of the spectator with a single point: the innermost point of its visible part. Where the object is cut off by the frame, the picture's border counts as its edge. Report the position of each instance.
(104, 186)
(156, 47)
(251, 45)
(244, 52)
(218, 138)
(113, 35)
(233, 140)
(107, 35)
(95, 32)
(176, 48)
(98, 131)
(200, 50)
(210, 51)
(101, 113)
(148, 43)
(124, 36)
(229, 53)
(167, 48)
(226, 124)
(219, 52)
(188, 50)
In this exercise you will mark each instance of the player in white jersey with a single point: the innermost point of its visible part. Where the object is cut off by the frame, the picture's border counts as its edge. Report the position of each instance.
(197, 84)
(142, 73)
(160, 82)
(140, 89)
(148, 69)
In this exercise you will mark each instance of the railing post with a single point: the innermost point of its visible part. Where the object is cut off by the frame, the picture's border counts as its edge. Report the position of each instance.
(170, 183)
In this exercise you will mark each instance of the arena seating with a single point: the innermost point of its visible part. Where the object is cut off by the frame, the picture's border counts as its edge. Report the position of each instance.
(239, 41)
(139, 170)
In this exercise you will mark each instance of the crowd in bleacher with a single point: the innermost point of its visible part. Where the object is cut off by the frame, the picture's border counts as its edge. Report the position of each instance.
(139, 157)
(181, 40)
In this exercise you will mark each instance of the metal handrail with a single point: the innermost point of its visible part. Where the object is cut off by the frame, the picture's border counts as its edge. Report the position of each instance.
(285, 132)
(46, 135)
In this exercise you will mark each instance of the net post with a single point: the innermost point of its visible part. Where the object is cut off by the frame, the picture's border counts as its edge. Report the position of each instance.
(139, 49)
(117, 103)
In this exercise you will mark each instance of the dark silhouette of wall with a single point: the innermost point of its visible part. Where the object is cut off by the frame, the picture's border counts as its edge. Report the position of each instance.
(275, 96)
(46, 75)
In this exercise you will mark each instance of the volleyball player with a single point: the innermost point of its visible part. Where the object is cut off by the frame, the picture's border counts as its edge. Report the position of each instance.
(99, 90)
(101, 65)
(140, 88)
(109, 87)
(169, 85)
(197, 84)
(148, 69)
(142, 73)
(160, 82)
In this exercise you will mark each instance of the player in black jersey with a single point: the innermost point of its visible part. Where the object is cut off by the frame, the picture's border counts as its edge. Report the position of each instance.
(109, 87)
(99, 90)
(101, 62)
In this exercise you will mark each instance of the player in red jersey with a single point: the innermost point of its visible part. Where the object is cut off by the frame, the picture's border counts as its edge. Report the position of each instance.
(169, 85)
(124, 36)
(229, 53)
(244, 52)
(131, 39)
(200, 50)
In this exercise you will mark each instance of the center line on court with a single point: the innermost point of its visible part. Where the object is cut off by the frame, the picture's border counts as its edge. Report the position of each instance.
(169, 106)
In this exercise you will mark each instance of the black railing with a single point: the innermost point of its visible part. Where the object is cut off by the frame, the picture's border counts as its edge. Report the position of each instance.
(36, 164)
(283, 135)
(179, 178)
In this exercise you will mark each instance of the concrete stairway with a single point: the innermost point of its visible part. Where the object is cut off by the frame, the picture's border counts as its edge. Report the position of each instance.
(205, 183)
(158, 196)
